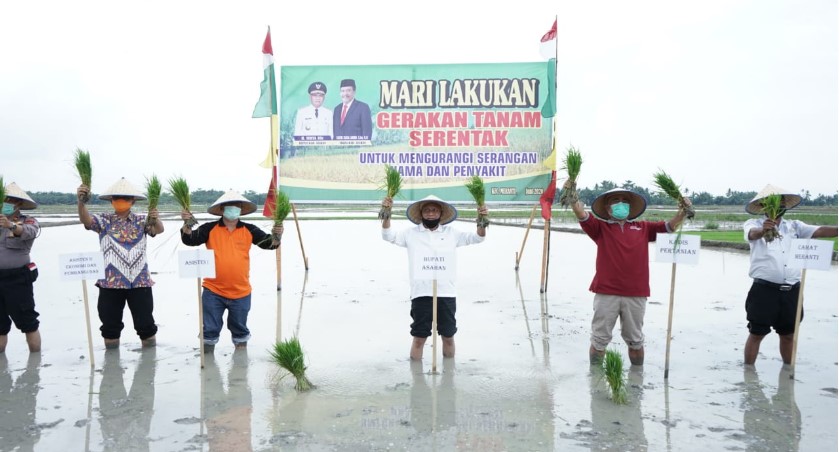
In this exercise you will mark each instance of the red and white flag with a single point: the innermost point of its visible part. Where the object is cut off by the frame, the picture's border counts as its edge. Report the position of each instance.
(548, 45)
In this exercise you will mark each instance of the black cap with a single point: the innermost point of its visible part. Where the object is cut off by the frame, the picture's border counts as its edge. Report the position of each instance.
(348, 82)
(317, 86)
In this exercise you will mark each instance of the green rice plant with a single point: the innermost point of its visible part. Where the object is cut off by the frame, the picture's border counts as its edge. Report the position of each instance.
(572, 163)
(615, 378)
(2, 191)
(476, 188)
(667, 186)
(392, 184)
(153, 189)
(85, 170)
(282, 207)
(180, 191)
(289, 355)
(771, 207)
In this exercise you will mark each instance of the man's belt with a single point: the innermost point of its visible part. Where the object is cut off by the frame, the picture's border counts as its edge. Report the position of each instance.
(776, 286)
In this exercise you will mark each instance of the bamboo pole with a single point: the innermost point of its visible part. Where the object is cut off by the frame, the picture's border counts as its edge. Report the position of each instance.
(434, 327)
(300, 238)
(543, 285)
(799, 307)
(670, 322)
(200, 324)
(279, 332)
(87, 321)
(526, 231)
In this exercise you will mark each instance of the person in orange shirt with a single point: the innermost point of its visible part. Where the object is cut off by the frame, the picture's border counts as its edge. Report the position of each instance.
(230, 290)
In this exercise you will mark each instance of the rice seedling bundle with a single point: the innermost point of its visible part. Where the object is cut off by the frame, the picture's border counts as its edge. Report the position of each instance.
(475, 186)
(180, 191)
(82, 163)
(667, 186)
(572, 163)
(2, 191)
(282, 207)
(153, 188)
(613, 373)
(289, 355)
(392, 185)
(771, 206)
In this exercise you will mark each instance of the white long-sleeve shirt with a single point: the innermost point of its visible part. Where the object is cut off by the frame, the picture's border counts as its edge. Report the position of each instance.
(768, 260)
(419, 241)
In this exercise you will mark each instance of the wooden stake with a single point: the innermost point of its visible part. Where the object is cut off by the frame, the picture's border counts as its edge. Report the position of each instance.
(300, 238)
(526, 231)
(670, 322)
(87, 321)
(200, 324)
(434, 327)
(798, 310)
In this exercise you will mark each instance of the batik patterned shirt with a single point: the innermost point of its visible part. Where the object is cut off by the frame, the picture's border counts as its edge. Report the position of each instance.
(123, 244)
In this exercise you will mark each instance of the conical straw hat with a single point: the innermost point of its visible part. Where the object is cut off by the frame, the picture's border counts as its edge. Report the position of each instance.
(13, 191)
(788, 200)
(637, 204)
(122, 188)
(232, 196)
(448, 214)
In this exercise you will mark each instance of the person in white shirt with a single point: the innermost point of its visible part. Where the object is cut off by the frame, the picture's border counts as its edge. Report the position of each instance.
(773, 298)
(432, 235)
(314, 120)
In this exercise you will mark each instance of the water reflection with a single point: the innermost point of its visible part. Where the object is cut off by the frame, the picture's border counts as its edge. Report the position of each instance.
(770, 423)
(617, 427)
(18, 428)
(227, 413)
(434, 405)
(125, 417)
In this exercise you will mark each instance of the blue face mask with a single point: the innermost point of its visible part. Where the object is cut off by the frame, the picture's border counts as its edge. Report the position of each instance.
(8, 209)
(232, 212)
(620, 210)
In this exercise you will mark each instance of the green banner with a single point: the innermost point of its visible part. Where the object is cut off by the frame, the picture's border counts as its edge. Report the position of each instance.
(438, 125)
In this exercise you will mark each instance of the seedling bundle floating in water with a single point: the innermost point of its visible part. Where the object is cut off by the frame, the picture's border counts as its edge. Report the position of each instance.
(475, 186)
(613, 373)
(289, 355)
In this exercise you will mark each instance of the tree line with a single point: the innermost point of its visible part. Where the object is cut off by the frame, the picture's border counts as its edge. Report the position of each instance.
(587, 195)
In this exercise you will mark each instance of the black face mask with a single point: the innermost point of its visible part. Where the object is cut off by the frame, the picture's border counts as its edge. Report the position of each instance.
(430, 224)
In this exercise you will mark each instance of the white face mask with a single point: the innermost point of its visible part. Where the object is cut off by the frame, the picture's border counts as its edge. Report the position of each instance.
(232, 212)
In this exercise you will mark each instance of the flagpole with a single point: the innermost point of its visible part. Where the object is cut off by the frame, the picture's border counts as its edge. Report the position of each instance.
(547, 241)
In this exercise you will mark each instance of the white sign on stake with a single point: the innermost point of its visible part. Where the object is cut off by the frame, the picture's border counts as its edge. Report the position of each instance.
(810, 254)
(79, 266)
(197, 263)
(677, 249)
(434, 265)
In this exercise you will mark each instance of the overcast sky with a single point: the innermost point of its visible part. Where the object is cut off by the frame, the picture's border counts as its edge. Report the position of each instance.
(720, 94)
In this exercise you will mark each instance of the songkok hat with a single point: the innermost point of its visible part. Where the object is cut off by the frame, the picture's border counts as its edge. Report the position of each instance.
(788, 200)
(232, 196)
(447, 215)
(13, 191)
(348, 82)
(637, 204)
(317, 87)
(122, 188)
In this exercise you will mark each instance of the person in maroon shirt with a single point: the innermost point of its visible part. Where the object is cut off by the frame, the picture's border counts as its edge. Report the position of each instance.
(621, 281)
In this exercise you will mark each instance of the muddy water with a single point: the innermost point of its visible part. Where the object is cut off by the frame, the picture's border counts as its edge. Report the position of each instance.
(520, 380)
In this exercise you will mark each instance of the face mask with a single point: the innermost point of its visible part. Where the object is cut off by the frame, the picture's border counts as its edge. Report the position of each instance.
(620, 211)
(121, 205)
(430, 224)
(232, 212)
(8, 209)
